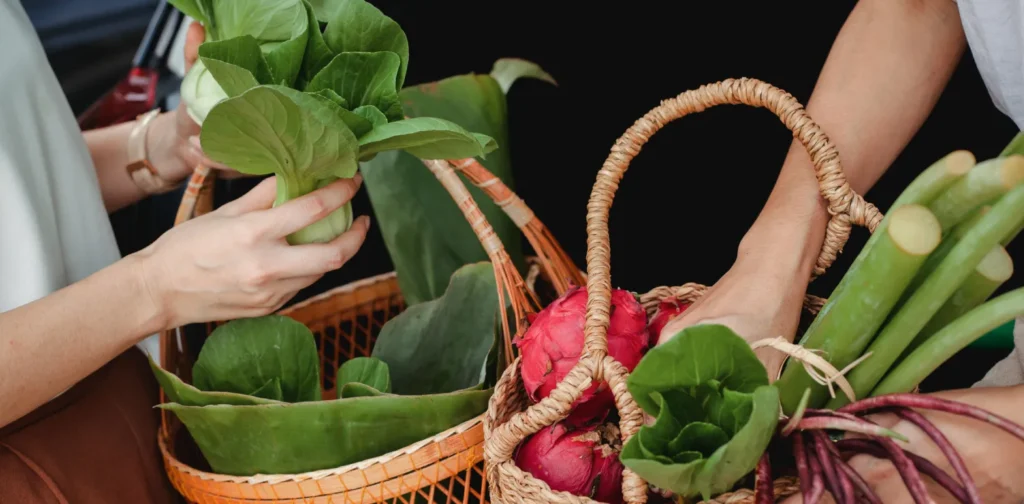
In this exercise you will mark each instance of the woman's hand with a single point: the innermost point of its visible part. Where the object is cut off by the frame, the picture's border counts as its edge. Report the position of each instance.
(235, 262)
(762, 294)
(173, 138)
(993, 458)
(754, 302)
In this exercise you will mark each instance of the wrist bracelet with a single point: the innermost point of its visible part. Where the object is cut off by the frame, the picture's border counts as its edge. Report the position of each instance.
(139, 168)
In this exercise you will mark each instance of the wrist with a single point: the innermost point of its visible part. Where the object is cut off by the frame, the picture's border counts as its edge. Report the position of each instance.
(165, 148)
(151, 311)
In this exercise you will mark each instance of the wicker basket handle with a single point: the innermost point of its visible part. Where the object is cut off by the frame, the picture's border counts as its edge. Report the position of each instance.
(844, 205)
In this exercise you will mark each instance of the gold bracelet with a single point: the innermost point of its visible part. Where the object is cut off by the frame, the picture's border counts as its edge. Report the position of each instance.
(139, 167)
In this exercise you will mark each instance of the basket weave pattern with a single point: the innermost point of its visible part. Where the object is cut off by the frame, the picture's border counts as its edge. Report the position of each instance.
(510, 416)
(446, 468)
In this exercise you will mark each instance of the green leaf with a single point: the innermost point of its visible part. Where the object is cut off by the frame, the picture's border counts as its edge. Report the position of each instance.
(426, 234)
(729, 409)
(693, 357)
(372, 114)
(281, 27)
(369, 371)
(358, 26)
(242, 355)
(193, 9)
(739, 456)
(426, 138)
(324, 9)
(308, 436)
(708, 381)
(355, 389)
(318, 55)
(700, 437)
(183, 393)
(362, 78)
(270, 390)
(271, 129)
(237, 64)
(334, 97)
(443, 345)
(508, 70)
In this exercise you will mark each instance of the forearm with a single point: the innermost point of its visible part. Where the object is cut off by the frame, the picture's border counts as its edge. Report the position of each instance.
(52, 343)
(109, 150)
(881, 80)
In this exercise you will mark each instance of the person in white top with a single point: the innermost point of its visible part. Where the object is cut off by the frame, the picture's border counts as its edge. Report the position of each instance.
(886, 69)
(71, 307)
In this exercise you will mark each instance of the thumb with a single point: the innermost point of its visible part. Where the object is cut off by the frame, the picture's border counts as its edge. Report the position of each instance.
(193, 38)
(260, 197)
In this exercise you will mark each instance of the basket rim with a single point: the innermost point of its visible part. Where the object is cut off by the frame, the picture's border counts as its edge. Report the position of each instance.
(350, 286)
(321, 473)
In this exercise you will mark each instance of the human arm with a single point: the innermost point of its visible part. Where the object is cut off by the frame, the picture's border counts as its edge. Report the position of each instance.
(233, 262)
(884, 73)
(171, 145)
(992, 457)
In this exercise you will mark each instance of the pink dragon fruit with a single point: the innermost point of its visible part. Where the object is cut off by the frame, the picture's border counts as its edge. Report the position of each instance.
(553, 344)
(583, 462)
(667, 310)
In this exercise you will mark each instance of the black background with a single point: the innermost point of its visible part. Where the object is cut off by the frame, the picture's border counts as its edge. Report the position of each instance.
(696, 187)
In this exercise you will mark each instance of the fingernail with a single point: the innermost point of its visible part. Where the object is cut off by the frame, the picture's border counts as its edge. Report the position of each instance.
(358, 178)
(366, 219)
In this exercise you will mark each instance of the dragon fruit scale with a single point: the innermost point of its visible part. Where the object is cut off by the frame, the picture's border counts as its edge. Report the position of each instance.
(667, 310)
(554, 341)
(583, 462)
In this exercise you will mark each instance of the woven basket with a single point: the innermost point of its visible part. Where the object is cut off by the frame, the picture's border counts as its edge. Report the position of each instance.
(510, 416)
(446, 468)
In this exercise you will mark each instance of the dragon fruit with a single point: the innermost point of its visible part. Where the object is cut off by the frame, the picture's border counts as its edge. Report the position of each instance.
(667, 310)
(553, 344)
(583, 462)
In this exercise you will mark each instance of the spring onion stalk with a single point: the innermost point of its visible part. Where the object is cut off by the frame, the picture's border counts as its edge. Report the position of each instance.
(908, 320)
(1016, 146)
(994, 270)
(950, 340)
(948, 242)
(861, 302)
(1013, 236)
(986, 182)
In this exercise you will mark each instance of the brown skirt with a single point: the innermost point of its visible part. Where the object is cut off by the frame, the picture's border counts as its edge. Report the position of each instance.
(94, 444)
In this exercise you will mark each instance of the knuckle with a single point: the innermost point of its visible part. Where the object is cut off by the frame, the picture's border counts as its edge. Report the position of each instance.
(264, 299)
(317, 207)
(259, 275)
(337, 259)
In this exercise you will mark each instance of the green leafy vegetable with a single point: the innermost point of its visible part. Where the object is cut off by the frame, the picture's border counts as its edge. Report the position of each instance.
(715, 412)
(276, 95)
(300, 437)
(244, 355)
(368, 371)
(180, 392)
(355, 25)
(425, 232)
(443, 345)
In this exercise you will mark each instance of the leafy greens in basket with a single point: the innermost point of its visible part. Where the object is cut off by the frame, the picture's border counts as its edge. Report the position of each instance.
(715, 412)
(277, 93)
(256, 406)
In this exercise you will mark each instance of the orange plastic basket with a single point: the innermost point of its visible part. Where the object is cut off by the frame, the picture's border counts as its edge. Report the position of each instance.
(511, 417)
(446, 468)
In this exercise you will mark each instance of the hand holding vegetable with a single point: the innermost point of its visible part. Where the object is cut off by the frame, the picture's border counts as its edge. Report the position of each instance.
(235, 261)
(989, 454)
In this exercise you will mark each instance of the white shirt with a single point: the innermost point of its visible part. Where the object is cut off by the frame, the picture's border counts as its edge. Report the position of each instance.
(995, 34)
(54, 229)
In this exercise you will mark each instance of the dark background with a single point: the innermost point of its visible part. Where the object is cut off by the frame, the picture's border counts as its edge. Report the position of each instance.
(696, 187)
